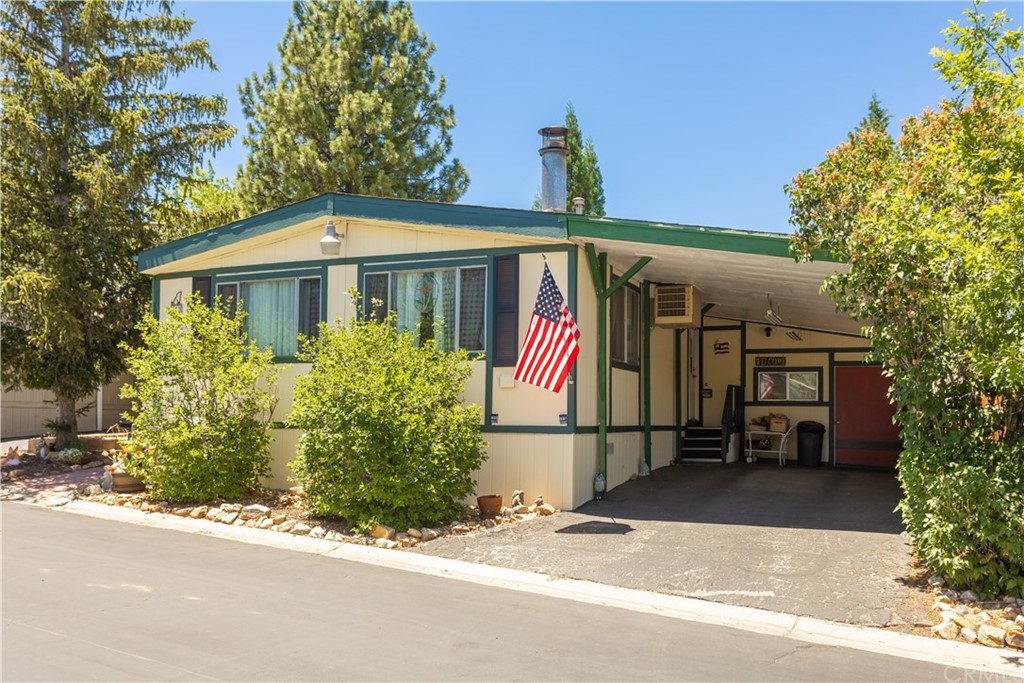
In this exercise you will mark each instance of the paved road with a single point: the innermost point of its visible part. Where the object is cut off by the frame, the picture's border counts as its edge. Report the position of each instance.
(89, 599)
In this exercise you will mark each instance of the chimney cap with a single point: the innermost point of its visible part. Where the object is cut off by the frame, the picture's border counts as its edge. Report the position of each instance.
(553, 131)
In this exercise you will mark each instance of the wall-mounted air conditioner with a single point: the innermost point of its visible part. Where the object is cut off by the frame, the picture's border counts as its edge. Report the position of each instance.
(677, 306)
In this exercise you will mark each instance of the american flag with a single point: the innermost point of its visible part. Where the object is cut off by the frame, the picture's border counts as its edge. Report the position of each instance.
(551, 345)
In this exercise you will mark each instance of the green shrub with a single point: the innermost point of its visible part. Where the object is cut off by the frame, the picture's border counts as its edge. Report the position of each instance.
(202, 405)
(386, 435)
(72, 456)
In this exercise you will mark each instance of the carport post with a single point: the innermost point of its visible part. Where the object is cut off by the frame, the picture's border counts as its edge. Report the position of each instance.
(598, 270)
(645, 321)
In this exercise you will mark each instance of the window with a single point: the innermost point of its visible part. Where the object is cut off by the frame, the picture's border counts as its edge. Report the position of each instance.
(201, 285)
(277, 310)
(789, 385)
(444, 304)
(625, 326)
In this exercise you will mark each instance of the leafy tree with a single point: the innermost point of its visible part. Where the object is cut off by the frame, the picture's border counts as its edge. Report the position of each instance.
(93, 144)
(353, 107)
(386, 436)
(932, 225)
(583, 175)
(201, 404)
(202, 202)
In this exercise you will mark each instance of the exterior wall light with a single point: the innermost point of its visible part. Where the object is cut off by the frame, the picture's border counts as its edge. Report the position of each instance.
(330, 243)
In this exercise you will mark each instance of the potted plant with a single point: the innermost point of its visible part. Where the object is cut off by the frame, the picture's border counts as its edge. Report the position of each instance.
(123, 478)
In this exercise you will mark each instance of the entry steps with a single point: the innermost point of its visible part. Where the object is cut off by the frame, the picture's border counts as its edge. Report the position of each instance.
(701, 444)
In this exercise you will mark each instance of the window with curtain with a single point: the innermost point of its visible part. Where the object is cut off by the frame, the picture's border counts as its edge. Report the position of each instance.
(789, 385)
(277, 310)
(447, 305)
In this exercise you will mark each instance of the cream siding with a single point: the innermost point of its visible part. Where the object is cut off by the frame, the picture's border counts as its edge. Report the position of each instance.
(584, 464)
(662, 448)
(720, 370)
(538, 464)
(662, 377)
(169, 291)
(625, 450)
(625, 398)
(586, 364)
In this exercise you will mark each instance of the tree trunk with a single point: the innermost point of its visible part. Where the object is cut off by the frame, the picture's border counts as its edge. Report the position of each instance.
(66, 423)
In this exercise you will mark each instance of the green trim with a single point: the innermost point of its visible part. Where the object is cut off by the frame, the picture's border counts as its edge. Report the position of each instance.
(724, 327)
(154, 297)
(619, 365)
(488, 338)
(821, 349)
(694, 236)
(463, 253)
(458, 216)
(424, 264)
(704, 309)
(524, 429)
(645, 331)
(271, 275)
(623, 429)
(677, 367)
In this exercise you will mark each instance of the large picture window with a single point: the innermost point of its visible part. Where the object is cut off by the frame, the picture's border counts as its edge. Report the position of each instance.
(277, 310)
(625, 327)
(444, 304)
(794, 385)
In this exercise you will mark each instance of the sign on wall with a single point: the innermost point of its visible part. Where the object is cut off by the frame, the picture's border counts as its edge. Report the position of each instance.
(770, 361)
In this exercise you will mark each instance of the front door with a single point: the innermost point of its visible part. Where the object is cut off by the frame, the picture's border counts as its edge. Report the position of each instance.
(864, 431)
(720, 367)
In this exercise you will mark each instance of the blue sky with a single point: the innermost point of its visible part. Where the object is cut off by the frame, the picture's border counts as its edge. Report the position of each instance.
(700, 112)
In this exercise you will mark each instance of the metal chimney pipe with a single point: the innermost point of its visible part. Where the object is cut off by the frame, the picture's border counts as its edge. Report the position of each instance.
(553, 191)
(577, 204)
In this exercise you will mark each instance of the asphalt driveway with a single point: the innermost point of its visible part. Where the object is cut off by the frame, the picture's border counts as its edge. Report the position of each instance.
(816, 542)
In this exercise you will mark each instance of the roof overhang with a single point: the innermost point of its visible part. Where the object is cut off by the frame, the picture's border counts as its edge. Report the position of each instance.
(737, 271)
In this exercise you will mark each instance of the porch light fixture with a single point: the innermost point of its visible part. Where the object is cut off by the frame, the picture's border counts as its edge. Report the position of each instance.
(771, 316)
(330, 243)
(794, 335)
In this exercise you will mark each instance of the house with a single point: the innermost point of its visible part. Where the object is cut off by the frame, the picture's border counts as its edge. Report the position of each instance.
(682, 327)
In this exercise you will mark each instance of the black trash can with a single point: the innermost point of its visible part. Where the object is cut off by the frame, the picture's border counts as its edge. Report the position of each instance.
(809, 437)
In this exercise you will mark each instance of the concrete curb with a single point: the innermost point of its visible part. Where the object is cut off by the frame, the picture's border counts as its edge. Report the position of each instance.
(1006, 664)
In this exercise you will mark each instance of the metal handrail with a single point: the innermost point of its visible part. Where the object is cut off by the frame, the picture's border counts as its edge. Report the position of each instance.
(732, 417)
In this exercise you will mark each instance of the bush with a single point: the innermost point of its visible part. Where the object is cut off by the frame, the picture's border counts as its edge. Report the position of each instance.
(200, 405)
(386, 435)
(72, 456)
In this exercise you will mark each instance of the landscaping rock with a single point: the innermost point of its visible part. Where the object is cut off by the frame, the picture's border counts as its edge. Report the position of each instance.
(198, 512)
(265, 523)
(254, 511)
(381, 531)
(385, 543)
(969, 635)
(942, 602)
(280, 519)
(990, 635)
(287, 525)
(231, 507)
(520, 510)
(1019, 619)
(506, 512)
(936, 581)
(300, 529)
(428, 534)
(946, 629)
(415, 533)
(969, 596)
(546, 509)
(951, 594)
(317, 532)
(1015, 641)
(227, 517)
(211, 513)
(183, 512)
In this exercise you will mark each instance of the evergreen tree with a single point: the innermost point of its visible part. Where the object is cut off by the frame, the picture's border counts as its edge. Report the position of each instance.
(354, 106)
(204, 201)
(583, 173)
(877, 119)
(93, 146)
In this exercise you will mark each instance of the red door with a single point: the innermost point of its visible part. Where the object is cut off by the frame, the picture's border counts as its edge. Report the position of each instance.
(864, 432)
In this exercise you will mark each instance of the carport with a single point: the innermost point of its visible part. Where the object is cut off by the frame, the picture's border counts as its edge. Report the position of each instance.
(763, 322)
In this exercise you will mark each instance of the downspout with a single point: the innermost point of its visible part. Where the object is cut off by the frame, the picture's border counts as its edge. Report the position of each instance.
(598, 269)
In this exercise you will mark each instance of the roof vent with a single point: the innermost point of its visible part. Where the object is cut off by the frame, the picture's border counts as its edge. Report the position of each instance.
(553, 154)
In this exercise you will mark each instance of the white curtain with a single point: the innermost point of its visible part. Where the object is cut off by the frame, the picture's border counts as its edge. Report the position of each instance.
(425, 303)
(270, 319)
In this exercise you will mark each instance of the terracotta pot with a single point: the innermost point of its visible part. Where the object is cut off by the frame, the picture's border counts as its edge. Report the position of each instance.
(125, 483)
(490, 505)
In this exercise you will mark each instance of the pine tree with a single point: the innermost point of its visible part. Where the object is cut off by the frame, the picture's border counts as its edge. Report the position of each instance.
(583, 173)
(877, 119)
(354, 106)
(93, 145)
(204, 201)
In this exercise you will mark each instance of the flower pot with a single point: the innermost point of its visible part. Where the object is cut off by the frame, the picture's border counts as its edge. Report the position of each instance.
(123, 482)
(490, 505)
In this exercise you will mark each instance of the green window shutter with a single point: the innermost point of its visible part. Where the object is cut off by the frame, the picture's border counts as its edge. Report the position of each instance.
(506, 310)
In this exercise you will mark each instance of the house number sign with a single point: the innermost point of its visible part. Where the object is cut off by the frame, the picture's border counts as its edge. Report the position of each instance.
(770, 361)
